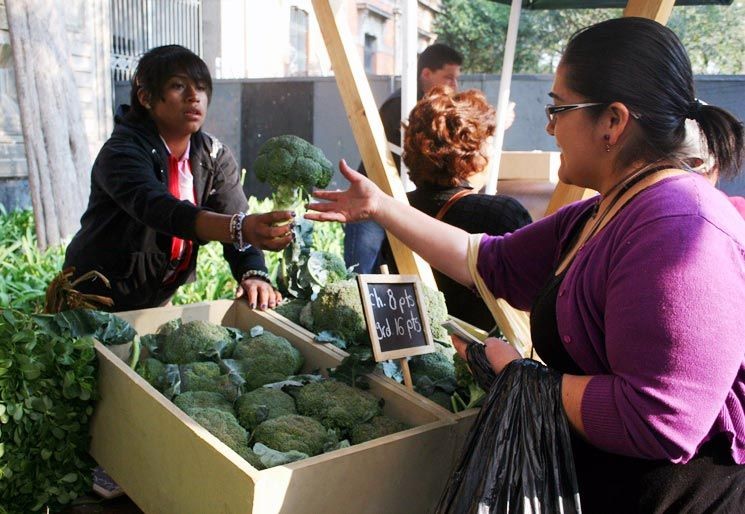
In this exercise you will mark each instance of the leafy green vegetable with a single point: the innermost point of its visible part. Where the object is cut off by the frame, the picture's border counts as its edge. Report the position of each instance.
(354, 367)
(302, 271)
(104, 326)
(47, 388)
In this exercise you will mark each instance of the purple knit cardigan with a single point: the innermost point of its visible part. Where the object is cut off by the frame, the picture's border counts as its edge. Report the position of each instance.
(653, 307)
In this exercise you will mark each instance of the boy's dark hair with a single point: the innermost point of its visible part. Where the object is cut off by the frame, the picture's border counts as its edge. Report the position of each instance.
(437, 56)
(159, 64)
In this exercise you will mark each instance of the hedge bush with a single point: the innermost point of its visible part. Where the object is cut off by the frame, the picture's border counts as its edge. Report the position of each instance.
(25, 271)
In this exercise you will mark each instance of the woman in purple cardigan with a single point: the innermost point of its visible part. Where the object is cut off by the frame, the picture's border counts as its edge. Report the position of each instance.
(637, 295)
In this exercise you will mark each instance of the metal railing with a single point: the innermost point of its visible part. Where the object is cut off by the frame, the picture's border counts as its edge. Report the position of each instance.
(139, 25)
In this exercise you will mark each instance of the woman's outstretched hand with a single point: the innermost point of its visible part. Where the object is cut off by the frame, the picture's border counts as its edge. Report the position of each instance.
(360, 202)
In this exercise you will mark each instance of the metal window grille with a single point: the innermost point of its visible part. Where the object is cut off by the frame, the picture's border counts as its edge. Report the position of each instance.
(298, 42)
(139, 25)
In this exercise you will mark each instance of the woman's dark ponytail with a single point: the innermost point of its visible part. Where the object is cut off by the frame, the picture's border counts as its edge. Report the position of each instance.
(725, 138)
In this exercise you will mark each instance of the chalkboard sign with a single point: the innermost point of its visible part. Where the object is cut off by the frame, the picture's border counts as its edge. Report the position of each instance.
(395, 314)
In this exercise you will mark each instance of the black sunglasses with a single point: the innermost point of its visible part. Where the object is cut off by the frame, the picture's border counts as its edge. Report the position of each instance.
(553, 110)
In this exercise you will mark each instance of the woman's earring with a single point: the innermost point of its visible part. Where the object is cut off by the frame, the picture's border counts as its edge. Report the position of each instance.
(607, 144)
(607, 147)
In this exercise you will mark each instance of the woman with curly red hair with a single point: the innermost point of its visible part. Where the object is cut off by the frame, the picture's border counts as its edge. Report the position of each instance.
(447, 146)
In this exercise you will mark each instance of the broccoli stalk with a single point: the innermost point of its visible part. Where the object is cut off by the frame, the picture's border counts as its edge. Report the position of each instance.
(292, 167)
(288, 197)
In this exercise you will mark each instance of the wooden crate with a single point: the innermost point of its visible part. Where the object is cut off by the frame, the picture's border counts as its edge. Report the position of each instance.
(167, 463)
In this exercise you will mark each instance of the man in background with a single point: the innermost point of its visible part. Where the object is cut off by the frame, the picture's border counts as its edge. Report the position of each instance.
(437, 65)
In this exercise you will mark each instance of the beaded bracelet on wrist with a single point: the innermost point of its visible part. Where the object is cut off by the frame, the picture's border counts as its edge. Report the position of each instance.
(255, 273)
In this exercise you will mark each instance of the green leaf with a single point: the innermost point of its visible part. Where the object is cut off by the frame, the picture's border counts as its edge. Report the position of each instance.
(327, 336)
(69, 478)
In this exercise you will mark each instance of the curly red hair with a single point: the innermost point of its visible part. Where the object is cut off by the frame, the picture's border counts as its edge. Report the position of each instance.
(445, 135)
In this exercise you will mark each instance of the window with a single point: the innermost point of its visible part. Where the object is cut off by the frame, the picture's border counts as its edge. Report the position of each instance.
(371, 48)
(298, 42)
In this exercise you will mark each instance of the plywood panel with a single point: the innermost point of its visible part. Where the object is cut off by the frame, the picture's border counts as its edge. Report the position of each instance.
(367, 127)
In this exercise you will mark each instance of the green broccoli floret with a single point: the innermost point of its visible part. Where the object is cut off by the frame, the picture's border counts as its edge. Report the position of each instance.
(222, 425)
(338, 308)
(193, 372)
(207, 376)
(194, 341)
(267, 358)
(437, 313)
(337, 405)
(168, 327)
(434, 365)
(291, 309)
(153, 371)
(294, 432)
(262, 404)
(325, 268)
(292, 167)
(191, 400)
(467, 383)
(306, 316)
(376, 427)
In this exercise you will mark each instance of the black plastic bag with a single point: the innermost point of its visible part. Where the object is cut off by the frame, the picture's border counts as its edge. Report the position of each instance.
(518, 455)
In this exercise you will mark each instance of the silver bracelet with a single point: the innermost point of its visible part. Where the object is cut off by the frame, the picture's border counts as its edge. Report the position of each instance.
(255, 273)
(236, 231)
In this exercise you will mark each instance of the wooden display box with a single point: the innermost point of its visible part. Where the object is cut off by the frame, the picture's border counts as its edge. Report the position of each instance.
(168, 463)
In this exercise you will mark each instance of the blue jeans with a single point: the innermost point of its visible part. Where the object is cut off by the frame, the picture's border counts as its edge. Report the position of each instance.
(362, 243)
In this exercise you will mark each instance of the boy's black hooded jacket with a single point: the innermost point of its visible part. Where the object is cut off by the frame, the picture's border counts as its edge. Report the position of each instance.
(126, 230)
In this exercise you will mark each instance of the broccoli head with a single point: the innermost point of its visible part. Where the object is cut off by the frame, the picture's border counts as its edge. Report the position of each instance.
(267, 358)
(153, 371)
(294, 432)
(291, 309)
(467, 383)
(292, 167)
(376, 427)
(194, 341)
(434, 365)
(262, 404)
(326, 268)
(437, 313)
(306, 316)
(169, 326)
(191, 400)
(222, 425)
(337, 405)
(338, 308)
(207, 376)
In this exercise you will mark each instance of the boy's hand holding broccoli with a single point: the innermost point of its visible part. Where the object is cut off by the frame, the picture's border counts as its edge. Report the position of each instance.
(269, 231)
